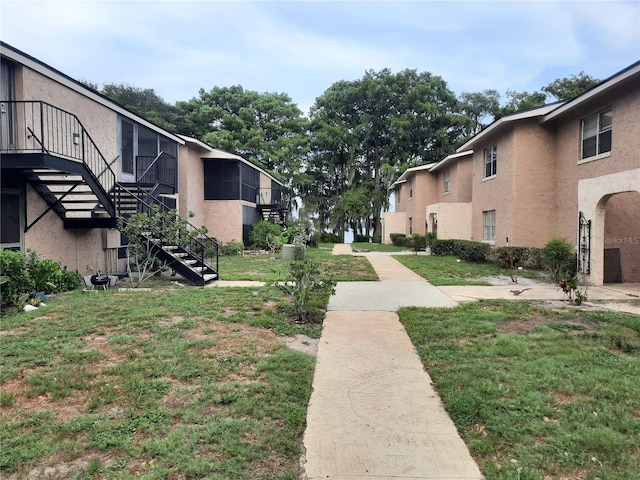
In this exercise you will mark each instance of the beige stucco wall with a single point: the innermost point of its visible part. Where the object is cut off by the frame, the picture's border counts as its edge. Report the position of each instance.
(98, 120)
(453, 220)
(191, 185)
(494, 193)
(224, 219)
(425, 191)
(393, 222)
(80, 249)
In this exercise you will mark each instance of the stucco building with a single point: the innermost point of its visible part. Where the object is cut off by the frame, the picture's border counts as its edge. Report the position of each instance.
(569, 170)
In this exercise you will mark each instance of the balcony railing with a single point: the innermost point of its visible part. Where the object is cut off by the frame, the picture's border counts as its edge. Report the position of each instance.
(39, 127)
(271, 196)
(160, 169)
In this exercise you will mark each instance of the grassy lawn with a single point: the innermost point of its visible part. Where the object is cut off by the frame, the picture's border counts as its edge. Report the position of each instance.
(446, 270)
(537, 394)
(181, 383)
(269, 268)
(379, 247)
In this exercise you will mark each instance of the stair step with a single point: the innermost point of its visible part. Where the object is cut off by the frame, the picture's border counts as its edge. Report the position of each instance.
(210, 276)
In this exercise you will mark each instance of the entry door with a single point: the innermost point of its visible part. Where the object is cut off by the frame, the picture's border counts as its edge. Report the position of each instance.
(612, 267)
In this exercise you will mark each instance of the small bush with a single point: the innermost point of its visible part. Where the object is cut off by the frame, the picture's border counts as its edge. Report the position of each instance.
(309, 287)
(560, 259)
(417, 242)
(232, 248)
(398, 239)
(361, 239)
(328, 237)
(535, 259)
(510, 258)
(263, 234)
(476, 252)
(14, 266)
(431, 237)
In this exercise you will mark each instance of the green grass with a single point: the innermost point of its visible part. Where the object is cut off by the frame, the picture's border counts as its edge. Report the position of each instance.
(379, 247)
(179, 383)
(537, 393)
(269, 268)
(446, 270)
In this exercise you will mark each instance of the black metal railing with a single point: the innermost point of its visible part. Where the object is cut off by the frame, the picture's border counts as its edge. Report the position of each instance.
(272, 196)
(39, 127)
(162, 168)
(191, 238)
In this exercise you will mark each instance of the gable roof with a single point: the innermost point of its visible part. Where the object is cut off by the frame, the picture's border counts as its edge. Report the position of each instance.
(430, 167)
(502, 122)
(22, 58)
(615, 80)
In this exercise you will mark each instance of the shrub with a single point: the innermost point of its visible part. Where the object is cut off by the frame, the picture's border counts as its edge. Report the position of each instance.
(535, 259)
(467, 250)
(377, 238)
(510, 258)
(560, 259)
(308, 287)
(417, 241)
(264, 235)
(431, 237)
(329, 237)
(361, 238)
(398, 239)
(232, 248)
(14, 266)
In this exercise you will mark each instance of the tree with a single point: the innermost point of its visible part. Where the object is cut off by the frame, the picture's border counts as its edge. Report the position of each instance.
(478, 107)
(569, 87)
(365, 132)
(144, 102)
(518, 101)
(265, 128)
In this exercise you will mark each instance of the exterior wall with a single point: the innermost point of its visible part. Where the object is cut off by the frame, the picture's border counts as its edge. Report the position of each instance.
(224, 219)
(100, 122)
(80, 249)
(425, 191)
(191, 185)
(494, 193)
(392, 222)
(594, 195)
(461, 181)
(453, 220)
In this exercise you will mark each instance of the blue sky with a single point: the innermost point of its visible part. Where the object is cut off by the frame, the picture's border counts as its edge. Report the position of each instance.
(302, 47)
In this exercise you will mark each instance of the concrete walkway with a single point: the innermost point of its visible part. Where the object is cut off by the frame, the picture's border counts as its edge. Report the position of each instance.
(373, 412)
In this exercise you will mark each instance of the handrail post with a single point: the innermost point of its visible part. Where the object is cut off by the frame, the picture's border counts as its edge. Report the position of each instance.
(42, 127)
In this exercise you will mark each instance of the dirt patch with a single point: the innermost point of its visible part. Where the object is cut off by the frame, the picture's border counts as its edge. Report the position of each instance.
(522, 327)
(302, 343)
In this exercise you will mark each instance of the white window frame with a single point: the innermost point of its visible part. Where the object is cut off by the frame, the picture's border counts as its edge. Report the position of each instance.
(446, 176)
(489, 222)
(599, 130)
(491, 161)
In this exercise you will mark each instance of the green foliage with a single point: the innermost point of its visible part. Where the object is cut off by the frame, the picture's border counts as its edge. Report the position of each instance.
(265, 235)
(309, 287)
(467, 250)
(431, 238)
(510, 258)
(418, 242)
(398, 239)
(328, 237)
(560, 259)
(569, 87)
(361, 238)
(28, 273)
(232, 248)
(13, 264)
(377, 238)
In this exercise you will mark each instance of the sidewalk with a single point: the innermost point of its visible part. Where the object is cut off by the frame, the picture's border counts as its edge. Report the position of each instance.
(373, 412)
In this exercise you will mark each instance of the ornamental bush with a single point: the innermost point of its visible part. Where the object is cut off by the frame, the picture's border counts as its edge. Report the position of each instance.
(467, 250)
(264, 234)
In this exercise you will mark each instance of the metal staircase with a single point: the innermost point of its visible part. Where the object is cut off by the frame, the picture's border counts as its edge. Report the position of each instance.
(56, 155)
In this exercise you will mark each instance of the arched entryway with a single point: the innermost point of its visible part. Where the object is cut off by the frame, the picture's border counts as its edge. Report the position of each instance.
(612, 205)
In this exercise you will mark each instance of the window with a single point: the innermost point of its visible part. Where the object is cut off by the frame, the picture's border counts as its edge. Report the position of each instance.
(221, 180)
(490, 161)
(410, 186)
(489, 225)
(127, 147)
(12, 220)
(447, 181)
(596, 134)
(410, 226)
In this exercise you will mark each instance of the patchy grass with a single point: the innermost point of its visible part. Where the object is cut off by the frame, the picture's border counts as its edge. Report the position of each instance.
(269, 268)
(174, 383)
(535, 393)
(446, 270)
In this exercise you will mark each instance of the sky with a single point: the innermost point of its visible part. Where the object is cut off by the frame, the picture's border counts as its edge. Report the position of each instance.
(302, 47)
